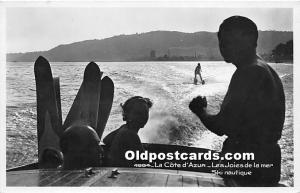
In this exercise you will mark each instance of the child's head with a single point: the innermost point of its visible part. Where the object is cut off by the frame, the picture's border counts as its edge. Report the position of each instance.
(136, 111)
(80, 145)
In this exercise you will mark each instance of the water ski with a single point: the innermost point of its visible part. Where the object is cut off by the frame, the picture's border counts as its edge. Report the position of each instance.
(49, 127)
(196, 81)
(85, 107)
(106, 99)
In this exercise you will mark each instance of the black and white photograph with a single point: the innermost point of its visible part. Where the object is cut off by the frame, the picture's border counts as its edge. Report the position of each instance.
(149, 96)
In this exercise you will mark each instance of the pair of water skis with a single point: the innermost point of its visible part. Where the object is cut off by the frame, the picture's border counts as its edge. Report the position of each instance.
(196, 81)
(91, 107)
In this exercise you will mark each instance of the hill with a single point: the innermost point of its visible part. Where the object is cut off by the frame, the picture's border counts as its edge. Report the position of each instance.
(133, 47)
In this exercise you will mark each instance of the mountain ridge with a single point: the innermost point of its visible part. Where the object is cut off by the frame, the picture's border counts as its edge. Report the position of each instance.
(132, 47)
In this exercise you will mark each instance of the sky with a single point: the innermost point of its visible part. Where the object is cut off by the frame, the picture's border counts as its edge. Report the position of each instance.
(40, 29)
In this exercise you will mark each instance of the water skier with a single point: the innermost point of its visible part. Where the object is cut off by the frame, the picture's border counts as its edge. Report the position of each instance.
(253, 110)
(198, 71)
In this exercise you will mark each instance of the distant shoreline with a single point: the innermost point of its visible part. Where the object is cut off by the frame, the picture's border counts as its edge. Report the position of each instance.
(151, 46)
(269, 61)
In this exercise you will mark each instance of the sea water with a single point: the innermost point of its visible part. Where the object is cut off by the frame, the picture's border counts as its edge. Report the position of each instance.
(168, 84)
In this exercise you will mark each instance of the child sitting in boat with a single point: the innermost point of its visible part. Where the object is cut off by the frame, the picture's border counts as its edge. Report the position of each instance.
(136, 114)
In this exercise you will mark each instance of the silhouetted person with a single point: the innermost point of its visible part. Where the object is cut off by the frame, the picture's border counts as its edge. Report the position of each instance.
(136, 114)
(198, 71)
(81, 148)
(253, 110)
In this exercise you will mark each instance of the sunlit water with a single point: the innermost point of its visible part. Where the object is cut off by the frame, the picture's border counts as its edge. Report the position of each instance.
(168, 84)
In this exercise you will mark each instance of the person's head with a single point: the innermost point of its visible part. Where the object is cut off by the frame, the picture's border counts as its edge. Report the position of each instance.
(136, 111)
(81, 148)
(237, 39)
(198, 64)
(51, 158)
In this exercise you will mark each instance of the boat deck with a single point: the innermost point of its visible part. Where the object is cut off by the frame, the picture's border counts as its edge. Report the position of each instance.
(127, 177)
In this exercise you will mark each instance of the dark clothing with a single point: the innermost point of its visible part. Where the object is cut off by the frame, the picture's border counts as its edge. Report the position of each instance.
(264, 154)
(198, 69)
(120, 141)
(197, 72)
(252, 116)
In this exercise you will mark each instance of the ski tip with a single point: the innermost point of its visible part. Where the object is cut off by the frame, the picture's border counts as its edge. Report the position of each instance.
(92, 72)
(107, 81)
(106, 78)
(42, 69)
(41, 59)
